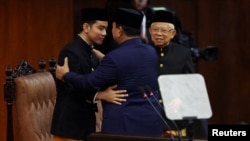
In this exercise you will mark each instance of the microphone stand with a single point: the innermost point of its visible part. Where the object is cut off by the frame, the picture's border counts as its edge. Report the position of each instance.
(190, 127)
(152, 94)
(152, 105)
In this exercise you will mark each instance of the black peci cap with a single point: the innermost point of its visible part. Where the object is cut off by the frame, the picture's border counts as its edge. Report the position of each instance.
(90, 14)
(128, 17)
(164, 16)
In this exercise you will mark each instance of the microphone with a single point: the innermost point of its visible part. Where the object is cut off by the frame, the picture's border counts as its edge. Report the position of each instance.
(142, 90)
(149, 91)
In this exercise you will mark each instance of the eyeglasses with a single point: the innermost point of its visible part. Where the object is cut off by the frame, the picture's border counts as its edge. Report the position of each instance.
(163, 31)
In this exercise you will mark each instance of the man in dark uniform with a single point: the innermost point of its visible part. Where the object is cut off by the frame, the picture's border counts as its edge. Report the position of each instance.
(132, 65)
(74, 113)
(173, 58)
(140, 5)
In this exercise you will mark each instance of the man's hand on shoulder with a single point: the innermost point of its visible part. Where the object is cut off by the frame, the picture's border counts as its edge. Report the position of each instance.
(62, 70)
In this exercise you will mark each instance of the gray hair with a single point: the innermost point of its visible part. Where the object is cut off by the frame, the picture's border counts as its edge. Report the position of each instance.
(169, 24)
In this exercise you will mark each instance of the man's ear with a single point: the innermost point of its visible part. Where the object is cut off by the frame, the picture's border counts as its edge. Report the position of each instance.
(85, 27)
(173, 33)
(120, 31)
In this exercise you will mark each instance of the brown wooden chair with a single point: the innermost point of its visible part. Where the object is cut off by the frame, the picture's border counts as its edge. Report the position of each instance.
(35, 97)
(30, 98)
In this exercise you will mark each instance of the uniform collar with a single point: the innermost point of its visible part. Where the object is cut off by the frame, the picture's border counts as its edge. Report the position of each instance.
(163, 49)
(133, 41)
(84, 44)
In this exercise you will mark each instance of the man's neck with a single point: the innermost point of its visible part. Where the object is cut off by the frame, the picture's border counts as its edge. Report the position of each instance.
(85, 39)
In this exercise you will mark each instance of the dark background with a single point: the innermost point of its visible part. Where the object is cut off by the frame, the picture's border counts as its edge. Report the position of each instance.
(38, 29)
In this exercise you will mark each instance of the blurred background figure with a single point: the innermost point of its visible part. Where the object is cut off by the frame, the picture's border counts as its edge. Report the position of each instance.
(143, 7)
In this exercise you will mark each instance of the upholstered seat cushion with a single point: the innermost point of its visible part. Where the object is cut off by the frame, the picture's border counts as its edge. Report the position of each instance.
(35, 99)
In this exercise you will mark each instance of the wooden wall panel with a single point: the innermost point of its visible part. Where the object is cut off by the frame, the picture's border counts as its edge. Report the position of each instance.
(31, 30)
(225, 23)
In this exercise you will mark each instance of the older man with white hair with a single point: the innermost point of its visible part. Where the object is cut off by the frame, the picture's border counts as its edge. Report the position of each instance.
(173, 58)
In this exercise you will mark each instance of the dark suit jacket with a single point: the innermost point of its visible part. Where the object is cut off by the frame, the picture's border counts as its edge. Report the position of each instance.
(131, 65)
(174, 59)
(177, 59)
(74, 114)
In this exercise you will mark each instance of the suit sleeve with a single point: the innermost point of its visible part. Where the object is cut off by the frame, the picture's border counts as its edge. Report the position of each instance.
(104, 76)
(74, 65)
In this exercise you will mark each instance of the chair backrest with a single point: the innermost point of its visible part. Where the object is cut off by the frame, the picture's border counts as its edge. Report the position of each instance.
(35, 97)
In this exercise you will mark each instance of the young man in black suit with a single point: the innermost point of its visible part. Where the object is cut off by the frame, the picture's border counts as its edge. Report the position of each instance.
(74, 114)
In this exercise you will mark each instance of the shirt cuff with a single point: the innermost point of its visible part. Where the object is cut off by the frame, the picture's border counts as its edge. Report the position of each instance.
(94, 99)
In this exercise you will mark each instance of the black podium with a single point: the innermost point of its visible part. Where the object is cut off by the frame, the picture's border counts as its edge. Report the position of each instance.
(109, 137)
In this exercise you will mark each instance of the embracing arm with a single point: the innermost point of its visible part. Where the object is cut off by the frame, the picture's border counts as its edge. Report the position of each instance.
(98, 54)
(76, 80)
(112, 96)
(82, 82)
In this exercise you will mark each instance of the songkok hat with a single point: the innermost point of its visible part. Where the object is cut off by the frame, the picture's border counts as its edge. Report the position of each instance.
(91, 14)
(164, 16)
(128, 17)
